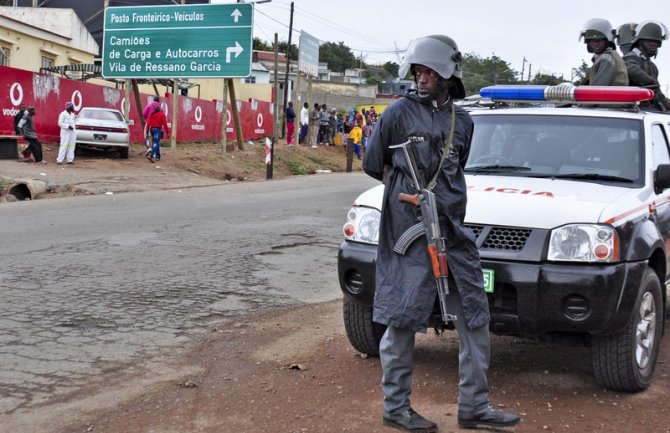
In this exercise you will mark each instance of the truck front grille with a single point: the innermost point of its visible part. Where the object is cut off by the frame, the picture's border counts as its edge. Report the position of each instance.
(500, 238)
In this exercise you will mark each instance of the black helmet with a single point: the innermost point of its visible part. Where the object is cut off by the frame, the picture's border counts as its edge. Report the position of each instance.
(652, 30)
(597, 28)
(439, 53)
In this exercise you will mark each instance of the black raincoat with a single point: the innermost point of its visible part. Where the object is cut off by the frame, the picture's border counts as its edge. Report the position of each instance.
(406, 289)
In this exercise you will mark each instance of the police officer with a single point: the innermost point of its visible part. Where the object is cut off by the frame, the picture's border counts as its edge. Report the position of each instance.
(608, 67)
(647, 39)
(406, 289)
(624, 37)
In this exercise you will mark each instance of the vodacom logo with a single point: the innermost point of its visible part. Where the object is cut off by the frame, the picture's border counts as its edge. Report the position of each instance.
(198, 114)
(229, 116)
(76, 100)
(259, 119)
(16, 94)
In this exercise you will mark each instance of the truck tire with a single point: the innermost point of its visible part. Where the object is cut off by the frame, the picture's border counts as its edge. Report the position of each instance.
(363, 334)
(626, 361)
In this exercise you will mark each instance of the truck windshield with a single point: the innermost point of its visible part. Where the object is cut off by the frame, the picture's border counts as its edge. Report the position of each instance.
(589, 149)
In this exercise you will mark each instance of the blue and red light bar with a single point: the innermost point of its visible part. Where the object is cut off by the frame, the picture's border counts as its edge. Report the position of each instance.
(568, 93)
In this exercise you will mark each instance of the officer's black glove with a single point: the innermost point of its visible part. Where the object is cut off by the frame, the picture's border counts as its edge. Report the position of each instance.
(71, 128)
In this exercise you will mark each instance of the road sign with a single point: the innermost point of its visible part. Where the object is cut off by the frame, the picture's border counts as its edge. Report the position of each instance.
(308, 54)
(186, 41)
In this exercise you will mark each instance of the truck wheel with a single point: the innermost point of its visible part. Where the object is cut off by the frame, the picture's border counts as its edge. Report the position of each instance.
(626, 361)
(362, 332)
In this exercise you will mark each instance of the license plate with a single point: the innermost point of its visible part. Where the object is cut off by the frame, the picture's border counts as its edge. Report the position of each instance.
(100, 137)
(488, 280)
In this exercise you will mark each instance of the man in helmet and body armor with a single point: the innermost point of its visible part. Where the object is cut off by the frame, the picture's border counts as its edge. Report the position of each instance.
(608, 67)
(405, 286)
(647, 38)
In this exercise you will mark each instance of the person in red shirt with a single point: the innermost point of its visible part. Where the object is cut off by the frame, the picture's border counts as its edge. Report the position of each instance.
(156, 125)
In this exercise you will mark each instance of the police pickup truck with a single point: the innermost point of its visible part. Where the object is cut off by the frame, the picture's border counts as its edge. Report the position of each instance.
(570, 209)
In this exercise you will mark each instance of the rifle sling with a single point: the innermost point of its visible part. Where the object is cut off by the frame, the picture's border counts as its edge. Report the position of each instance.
(447, 148)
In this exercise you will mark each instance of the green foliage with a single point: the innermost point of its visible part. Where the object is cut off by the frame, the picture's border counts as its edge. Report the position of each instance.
(295, 167)
(481, 72)
(294, 50)
(580, 73)
(338, 56)
(550, 80)
(260, 45)
(391, 68)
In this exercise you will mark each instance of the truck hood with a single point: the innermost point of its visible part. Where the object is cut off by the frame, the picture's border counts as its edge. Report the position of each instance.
(541, 203)
(533, 202)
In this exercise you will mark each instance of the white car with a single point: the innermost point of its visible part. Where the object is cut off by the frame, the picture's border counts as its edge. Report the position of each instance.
(104, 128)
(570, 209)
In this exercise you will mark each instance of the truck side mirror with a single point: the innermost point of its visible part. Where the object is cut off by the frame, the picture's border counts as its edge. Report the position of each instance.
(661, 178)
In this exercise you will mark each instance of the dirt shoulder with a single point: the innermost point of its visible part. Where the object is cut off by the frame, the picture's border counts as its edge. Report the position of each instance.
(189, 165)
(293, 370)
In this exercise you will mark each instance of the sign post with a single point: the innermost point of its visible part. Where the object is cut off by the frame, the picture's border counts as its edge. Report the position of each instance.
(184, 41)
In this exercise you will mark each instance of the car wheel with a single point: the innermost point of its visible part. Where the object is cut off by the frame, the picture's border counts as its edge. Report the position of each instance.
(362, 332)
(626, 361)
(123, 152)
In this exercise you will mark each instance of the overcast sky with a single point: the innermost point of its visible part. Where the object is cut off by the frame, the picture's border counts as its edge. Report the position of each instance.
(543, 32)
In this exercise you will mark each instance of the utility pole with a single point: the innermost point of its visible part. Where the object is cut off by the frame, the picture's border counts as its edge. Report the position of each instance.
(175, 107)
(523, 68)
(530, 66)
(288, 66)
(269, 160)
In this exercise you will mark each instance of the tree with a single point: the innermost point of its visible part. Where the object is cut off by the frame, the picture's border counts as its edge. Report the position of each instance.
(548, 79)
(261, 45)
(578, 74)
(294, 50)
(338, 56)
(392, 68)
(481, 72)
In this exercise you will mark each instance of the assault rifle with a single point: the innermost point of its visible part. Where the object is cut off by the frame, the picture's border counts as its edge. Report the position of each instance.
(429, 226)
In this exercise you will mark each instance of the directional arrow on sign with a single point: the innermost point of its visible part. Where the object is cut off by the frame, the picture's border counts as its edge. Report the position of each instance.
(237, 50)
(236, 15)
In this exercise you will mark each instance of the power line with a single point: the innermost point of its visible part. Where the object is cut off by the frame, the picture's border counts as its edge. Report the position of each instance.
(385, 49)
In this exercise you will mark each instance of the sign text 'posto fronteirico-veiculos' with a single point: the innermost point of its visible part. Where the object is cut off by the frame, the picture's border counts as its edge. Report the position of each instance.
(178, 41)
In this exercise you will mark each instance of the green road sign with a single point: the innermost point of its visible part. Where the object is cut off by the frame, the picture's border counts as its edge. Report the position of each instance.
(186, 41)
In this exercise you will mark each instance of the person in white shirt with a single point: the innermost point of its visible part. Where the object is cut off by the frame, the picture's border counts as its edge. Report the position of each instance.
(67, 135)
(304, 123)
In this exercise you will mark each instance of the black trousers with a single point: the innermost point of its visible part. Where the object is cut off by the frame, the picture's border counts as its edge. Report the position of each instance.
(35, 147)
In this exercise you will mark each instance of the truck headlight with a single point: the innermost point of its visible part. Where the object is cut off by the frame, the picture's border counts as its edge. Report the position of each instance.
(591, 243)
(362, 225)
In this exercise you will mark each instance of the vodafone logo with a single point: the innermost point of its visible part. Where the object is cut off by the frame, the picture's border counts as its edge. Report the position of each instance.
(16, 94)
(198, 114)
(229, 116)
(259, 119)
(76, 100)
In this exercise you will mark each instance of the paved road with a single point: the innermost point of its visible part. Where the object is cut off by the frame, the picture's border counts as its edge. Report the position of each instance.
(91, 285)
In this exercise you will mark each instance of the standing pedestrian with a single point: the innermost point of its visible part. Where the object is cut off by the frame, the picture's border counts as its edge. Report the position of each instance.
(323, 125)
(356, 136)
(290, 124)
(314, 125)
(27, 127)
(406, 289)
(148, 111)
(68, 135)
(25, 153)
(332, 126)
(156, 126)
(304, 123)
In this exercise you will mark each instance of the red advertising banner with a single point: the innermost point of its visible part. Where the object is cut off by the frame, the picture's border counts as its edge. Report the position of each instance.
(198, 120)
